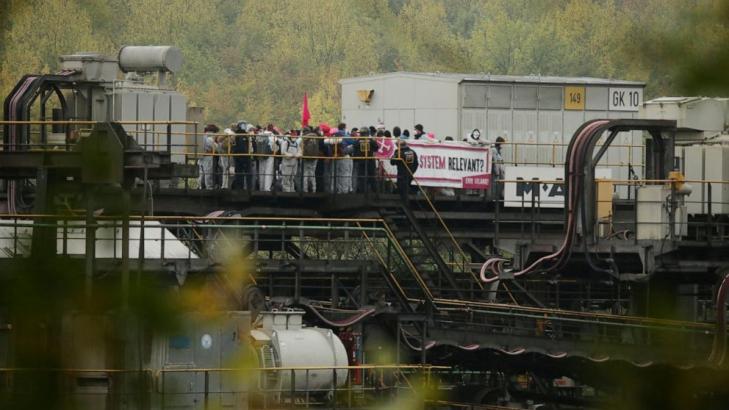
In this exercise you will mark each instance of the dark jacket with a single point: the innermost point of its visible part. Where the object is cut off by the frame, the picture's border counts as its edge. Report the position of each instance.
(406, 158)
(241, 145)
(366, 147)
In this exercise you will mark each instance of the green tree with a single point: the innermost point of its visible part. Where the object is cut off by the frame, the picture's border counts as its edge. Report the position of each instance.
(425, 41)
(255, 59)
(38, 32)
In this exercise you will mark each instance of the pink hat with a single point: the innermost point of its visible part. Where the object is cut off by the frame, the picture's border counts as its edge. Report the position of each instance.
(325, 128)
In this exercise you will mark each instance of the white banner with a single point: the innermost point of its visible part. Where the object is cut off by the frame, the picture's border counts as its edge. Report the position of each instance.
(444, 164)
(549, 195)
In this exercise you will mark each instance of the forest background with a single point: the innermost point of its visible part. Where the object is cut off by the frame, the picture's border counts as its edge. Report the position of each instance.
(255, 59)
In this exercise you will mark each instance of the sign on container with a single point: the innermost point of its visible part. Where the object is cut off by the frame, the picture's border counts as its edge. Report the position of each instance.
(625, 99)
(547, 195)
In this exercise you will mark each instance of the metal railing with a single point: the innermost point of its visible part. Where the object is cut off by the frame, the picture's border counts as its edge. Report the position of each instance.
(193, 238)
(239, 387)
(187, 147)
(671, 212)
(529, 153)
(202, 242)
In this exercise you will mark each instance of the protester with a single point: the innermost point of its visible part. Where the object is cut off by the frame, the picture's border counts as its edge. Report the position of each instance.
(429, 138)
(266, 147)
(474, 138)
(291, 151)
(406, 161)
(496, 191)
(497, 164)
(299, 167)
(323, 166)
(396, 132)
(243, 177)
(419, 132)
(343, 146)
(224, 149)
(311, 152)
(205, 164)
(327, 150)
(366, 166)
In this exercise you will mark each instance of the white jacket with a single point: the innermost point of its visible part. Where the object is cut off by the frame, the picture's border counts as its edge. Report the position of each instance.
(291, 147)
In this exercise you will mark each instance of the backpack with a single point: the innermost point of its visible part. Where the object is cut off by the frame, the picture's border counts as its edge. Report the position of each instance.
(262, 145)
(240, 144)
(311, 147)
(346, 147)
(292, 145)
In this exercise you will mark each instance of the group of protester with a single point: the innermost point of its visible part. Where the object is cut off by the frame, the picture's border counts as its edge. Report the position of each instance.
(312, 159)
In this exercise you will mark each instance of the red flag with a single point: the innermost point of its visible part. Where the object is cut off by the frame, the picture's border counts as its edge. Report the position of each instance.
(305, 115)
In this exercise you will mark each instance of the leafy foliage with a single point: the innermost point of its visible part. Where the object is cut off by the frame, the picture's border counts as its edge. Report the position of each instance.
(254, 60)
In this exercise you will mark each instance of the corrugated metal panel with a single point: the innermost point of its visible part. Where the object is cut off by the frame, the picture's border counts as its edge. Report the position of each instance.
(474, 95)
(125, 107)
(145, 112)
(178, 112)
(470, 120)
(596, 98)
(716, 168)
(550, 98)
(161, 113)
(525, 131)
(713, 165)
(499, 96)
(525, 96)
(570, 122)
(498, 124)
(550, 135)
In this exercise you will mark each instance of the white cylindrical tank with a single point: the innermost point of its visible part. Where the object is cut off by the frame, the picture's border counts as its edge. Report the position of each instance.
(150, 58)
(311, 348)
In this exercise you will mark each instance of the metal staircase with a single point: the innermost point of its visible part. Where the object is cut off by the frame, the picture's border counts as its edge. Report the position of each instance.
(422, 253)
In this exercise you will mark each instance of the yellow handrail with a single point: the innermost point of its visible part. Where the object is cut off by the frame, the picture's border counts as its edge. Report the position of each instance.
(445, 227)
(402, 254)
(466, 304)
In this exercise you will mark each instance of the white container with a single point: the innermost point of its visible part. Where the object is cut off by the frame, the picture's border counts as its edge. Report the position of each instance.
(285, 343)
(654, 221)
(312, 348)
(150, 58)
